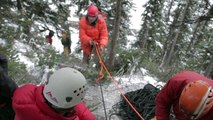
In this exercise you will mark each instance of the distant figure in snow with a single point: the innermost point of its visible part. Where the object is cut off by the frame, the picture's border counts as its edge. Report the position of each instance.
(49, 37)
(66, 42)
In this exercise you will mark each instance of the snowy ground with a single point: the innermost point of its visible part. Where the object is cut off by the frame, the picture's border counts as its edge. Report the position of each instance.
(111, 94)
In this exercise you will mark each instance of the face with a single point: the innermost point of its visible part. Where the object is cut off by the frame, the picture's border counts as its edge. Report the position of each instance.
(64, 36)
(92, 19)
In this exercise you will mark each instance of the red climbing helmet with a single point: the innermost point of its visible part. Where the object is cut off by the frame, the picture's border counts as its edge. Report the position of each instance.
(196, 99)
(92, 10)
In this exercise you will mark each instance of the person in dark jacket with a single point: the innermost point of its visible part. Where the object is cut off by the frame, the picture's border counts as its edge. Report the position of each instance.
(66, 42)
(189, 94)
(60, 98)
(7, 87)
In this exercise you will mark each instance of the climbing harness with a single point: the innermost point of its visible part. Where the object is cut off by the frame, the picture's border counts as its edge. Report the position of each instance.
(116, 85)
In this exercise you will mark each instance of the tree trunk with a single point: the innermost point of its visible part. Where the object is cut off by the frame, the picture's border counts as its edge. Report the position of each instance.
(194, 37)
(143, 35)
(209, 69)
(169, 37)
(170, 52)
(145, 38)
(169, 11)
(115, 35)
(19, 4)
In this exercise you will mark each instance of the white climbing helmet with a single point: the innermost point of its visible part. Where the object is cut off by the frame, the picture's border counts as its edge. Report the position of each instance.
(65, 88)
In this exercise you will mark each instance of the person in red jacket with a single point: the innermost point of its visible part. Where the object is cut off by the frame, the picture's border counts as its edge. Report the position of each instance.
(49, 37)
(60, 98)
(189, 94)
(92, 31)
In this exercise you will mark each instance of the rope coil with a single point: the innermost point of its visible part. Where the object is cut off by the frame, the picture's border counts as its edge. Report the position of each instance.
(142, 99)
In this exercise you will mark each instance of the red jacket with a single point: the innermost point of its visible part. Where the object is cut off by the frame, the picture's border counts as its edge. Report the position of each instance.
(49, 39)
(87, 32)
(29, 104)
(170, 93)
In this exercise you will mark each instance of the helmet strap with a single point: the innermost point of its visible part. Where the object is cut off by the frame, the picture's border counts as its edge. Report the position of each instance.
(201, 107)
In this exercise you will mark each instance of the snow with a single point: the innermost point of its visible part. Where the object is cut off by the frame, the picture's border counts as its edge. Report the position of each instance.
(21, 47)
(26, 61)
(136, 14)
(159, 44)
(2, 41)
(131, 39)
(57, 44)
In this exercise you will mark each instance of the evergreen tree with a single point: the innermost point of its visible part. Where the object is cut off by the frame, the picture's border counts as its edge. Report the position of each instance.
(22, 26)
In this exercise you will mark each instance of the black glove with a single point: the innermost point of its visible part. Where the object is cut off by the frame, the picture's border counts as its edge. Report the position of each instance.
(93, 42)
(3, 64)
(101, 49)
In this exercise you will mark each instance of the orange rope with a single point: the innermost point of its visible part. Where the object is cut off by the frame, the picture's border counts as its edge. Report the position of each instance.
(100, 73)
(116, 85)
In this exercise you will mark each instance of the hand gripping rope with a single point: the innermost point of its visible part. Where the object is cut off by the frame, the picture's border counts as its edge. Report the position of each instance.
(116, 85)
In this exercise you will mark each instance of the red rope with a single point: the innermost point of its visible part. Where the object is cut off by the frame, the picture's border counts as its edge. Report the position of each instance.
(116, 85)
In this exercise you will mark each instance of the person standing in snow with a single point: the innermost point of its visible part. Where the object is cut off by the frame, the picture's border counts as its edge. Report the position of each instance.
(49, 37)
(66, 42)
(92, 31)
(189, 94)
(60, 98)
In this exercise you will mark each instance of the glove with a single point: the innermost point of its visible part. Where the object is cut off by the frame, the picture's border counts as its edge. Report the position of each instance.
(3, 64)
(93, 42)
(101, 49)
